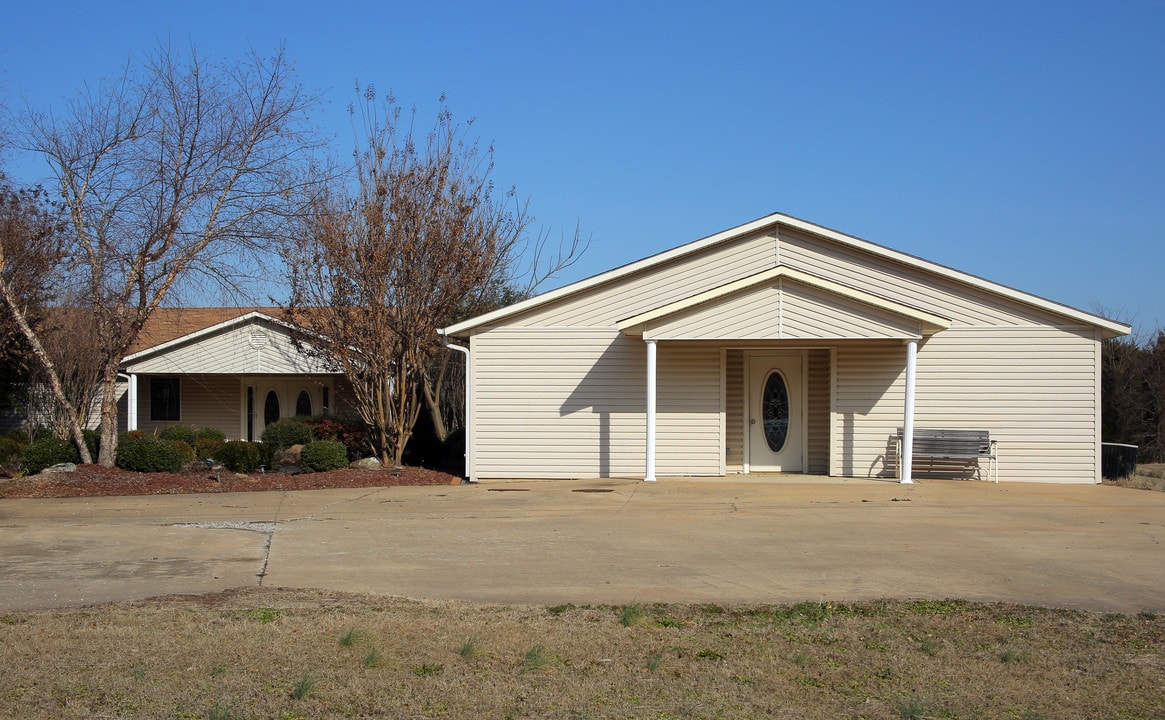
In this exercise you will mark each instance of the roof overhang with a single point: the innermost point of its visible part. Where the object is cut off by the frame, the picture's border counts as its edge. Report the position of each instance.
(767, 305)
(1108, 328)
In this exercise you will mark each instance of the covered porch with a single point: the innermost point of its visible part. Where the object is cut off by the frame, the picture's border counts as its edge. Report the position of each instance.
(790, 343)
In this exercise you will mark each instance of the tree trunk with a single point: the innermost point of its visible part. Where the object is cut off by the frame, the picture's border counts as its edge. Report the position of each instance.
(108, 452)
(50, 369)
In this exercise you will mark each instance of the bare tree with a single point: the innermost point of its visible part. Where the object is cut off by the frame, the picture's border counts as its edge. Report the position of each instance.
(31, 250)
(178, 171)
(380, 266)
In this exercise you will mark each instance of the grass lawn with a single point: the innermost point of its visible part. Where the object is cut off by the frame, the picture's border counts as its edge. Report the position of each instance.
(304, 654)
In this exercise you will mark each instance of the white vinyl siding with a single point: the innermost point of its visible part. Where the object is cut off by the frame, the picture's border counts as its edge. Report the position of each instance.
(206, 401)
(964, 304)
(582, 408)
(786, 310)
(605, 305)
(689, 414)
(253, 348)
(558, 403)
(817, 412)
(734, 410)
(1032, 388)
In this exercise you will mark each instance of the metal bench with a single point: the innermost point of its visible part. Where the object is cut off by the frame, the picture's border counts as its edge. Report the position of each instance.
(951, 450)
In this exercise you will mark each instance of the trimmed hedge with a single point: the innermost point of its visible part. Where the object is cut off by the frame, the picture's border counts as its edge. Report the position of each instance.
(240, 456)
(323, 455)
(148, 453)
(207, 448)
(185, 433)
(47, 451)
(210, 433)
(284, 433)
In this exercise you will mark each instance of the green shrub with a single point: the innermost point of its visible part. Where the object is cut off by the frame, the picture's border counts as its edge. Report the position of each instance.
(209, 433)
(323, 455)
(93, 442)
(140, 452)
(240, 456)
(207, 448)
(284, 433)
(10, 450)
(47, 451)
(184, 450)
(185, 433)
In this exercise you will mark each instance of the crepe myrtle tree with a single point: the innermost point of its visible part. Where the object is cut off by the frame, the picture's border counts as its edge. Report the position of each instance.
(174, 175)
(415, 235)
(43, 349)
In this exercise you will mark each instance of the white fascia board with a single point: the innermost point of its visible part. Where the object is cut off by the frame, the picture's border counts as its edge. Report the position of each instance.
(608, 276)
(930, 321)
(1111, 328)
(1115, 329)
(204, 332)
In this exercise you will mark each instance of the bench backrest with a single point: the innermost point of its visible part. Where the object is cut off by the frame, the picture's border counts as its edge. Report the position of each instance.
(952, 443)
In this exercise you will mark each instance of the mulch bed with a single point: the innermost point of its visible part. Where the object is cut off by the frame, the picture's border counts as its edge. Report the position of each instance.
(97, 481)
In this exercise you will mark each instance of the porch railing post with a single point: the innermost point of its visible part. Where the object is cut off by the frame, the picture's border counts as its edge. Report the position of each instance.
(908, 415)
(649, 471)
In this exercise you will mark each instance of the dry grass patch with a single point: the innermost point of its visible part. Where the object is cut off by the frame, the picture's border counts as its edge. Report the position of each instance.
(302, 654)
(1149, 476)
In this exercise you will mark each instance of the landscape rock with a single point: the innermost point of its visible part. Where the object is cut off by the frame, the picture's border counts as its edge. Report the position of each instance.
(59, 468)
(368, 463)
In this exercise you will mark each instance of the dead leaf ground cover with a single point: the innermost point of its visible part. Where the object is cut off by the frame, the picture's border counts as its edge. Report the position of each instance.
(95, 481)
(267, 653)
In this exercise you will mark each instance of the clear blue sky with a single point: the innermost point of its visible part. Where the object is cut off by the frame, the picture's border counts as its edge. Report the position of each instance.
(1020, 141)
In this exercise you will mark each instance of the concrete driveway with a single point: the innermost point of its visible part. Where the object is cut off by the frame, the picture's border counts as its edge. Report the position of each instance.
(608, 541)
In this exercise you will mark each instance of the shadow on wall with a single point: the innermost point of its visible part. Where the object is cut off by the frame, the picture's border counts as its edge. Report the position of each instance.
(612, 393)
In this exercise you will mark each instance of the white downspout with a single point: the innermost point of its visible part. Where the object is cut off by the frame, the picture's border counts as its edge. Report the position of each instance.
(908, 414)
(131, 401)
(649, 472)
(469, 475)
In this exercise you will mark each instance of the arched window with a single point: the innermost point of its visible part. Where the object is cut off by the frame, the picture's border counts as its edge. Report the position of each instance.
(271, 407)
(303, 404)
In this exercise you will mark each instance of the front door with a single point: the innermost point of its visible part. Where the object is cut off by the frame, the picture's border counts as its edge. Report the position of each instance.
(776, 413)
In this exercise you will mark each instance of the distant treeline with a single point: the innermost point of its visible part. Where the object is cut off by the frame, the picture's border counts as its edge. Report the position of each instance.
(1133, 387)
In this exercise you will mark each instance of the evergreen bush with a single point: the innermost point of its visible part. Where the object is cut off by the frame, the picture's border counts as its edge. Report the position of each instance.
(47, 451)
(207, 448)
(93, 442)
(10, 451)
(323, 455)
(185, 433)
(140, 452)
(240, 456)
(209, 433)
(284, 433)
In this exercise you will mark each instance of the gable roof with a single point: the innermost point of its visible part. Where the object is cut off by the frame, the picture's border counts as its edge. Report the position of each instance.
(928, 322)
(168, 324)
(1109, 328)
(176, 326)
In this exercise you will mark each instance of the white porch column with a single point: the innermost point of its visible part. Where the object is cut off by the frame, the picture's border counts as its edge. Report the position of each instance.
(908, 415)
(649, 472)
(131, 403)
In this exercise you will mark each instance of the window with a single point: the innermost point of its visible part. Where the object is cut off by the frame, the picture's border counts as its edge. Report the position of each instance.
(270, 408)
(165, 399)
(327, 405)
(303, 404)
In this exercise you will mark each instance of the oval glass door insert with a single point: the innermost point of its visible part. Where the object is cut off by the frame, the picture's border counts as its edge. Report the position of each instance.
(775, 411)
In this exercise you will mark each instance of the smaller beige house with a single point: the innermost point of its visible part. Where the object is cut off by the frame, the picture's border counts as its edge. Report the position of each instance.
(780, 346)
(235, 369)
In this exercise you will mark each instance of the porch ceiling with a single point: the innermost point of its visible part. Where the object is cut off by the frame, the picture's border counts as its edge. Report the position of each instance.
(783, 304)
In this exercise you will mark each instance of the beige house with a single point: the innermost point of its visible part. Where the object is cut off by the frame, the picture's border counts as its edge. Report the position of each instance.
(235, 369)
(780, 346)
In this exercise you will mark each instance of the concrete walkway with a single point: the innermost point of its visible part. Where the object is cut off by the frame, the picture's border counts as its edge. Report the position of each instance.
(609, 541)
